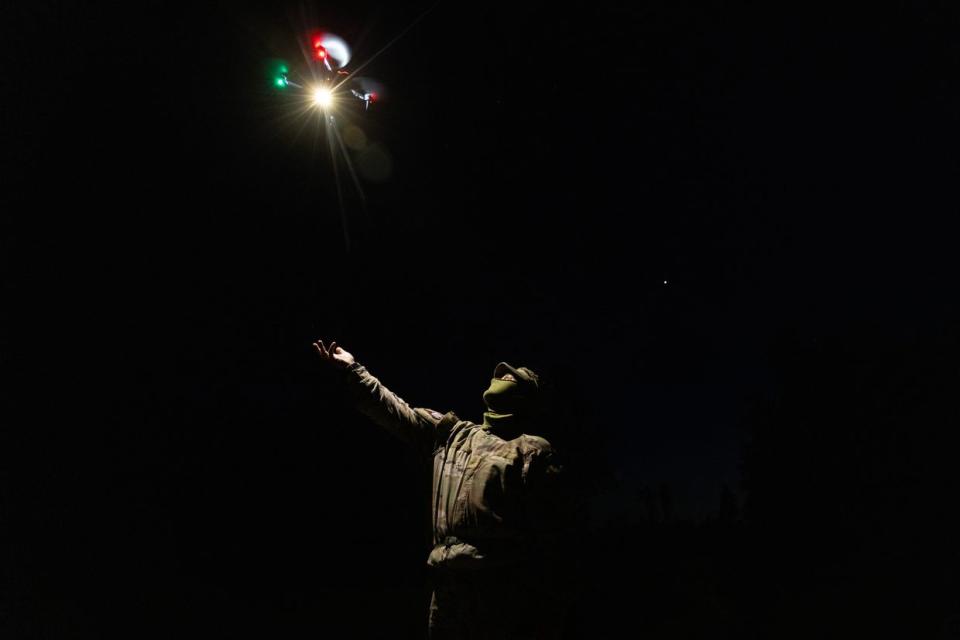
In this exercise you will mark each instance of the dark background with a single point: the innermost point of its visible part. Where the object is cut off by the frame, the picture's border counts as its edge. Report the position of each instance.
(725, 232)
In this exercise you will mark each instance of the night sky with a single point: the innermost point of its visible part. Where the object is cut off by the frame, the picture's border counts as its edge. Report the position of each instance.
(655, 205)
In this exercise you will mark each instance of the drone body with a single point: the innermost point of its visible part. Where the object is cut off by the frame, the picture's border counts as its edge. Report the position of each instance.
(328, 55)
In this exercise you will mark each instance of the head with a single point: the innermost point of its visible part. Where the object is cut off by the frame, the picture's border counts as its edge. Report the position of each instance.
(512, 392)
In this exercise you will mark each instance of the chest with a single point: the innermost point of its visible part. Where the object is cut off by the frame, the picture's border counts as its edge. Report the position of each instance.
(477, 474)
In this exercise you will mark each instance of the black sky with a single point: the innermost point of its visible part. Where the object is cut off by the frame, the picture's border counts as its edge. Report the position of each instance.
(648, 202)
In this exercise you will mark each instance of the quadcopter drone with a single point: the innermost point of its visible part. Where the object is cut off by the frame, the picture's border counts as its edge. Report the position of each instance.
(330, 54)
(326, 87)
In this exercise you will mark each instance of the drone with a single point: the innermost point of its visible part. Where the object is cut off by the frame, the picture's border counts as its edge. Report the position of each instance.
(325, 88)
(328, 54)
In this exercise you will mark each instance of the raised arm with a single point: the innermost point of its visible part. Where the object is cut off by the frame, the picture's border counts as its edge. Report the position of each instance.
(416, 427)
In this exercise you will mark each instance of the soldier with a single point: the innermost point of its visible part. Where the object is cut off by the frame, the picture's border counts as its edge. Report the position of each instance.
(496, 514)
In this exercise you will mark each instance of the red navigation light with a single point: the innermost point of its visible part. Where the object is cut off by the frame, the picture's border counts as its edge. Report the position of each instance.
(373, 97)
(319, 51)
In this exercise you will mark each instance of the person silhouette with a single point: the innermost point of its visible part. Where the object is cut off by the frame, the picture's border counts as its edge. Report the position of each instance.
(497, 512)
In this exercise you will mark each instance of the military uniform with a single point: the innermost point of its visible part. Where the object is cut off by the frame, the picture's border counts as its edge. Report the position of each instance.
(495, 517)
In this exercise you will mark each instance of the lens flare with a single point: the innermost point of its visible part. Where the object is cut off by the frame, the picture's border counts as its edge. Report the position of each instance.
(322, 97)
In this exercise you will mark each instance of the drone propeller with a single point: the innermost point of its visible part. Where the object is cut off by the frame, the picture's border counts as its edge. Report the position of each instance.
(330, 49)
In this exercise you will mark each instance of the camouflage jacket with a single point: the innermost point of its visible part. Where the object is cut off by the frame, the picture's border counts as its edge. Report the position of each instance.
(493, 501)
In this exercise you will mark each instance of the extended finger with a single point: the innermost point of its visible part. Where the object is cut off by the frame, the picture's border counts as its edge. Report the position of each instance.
(333, 348)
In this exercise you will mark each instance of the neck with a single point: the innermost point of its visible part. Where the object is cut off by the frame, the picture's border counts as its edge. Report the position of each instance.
(502, 425)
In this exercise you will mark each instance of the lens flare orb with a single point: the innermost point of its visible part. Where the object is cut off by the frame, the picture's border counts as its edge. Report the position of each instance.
(323, 97)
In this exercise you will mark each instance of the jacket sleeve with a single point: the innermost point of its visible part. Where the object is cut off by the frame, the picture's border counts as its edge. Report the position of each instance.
(416, 427)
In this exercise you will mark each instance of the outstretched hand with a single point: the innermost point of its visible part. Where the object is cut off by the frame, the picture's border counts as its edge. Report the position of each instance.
(334, 354)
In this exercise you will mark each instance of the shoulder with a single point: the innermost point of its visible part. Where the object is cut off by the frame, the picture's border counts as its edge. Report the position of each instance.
(539, 458)
(444, 423)
(535, 445)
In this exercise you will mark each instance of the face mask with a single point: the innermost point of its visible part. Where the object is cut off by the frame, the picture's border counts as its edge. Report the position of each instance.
(503, 396)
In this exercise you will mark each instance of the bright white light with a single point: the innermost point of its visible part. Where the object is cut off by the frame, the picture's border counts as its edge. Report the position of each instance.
(322, 97)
